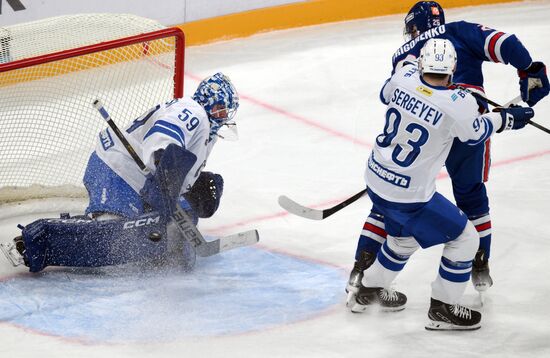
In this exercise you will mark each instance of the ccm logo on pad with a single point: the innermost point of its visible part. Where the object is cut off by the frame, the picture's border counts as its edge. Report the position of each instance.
(141, 222)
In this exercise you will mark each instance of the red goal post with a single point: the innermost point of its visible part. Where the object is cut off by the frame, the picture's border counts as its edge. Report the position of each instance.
(47, 123)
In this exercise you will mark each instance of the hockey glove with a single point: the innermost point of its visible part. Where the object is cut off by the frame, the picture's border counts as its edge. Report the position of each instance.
(205, 195)
(515, 117)
(162, 189)
(533, 83)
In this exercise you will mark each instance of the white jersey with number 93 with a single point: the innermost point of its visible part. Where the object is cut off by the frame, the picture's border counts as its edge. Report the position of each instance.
(421, 124)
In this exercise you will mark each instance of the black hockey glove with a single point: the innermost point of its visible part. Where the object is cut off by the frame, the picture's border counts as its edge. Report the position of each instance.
(205, 195)
(533, 77)
(514, 117)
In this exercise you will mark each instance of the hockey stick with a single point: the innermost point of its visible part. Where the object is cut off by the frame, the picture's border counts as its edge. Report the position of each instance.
(508, 104)
(314, 214)
(183, 221)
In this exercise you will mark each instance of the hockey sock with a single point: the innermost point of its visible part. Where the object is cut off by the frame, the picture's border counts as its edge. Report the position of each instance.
(390, 260)
(451, 281)
(483, 227)
(455, 267)
(372, 236)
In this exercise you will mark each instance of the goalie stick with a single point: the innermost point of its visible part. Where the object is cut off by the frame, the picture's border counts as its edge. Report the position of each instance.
(183, 221)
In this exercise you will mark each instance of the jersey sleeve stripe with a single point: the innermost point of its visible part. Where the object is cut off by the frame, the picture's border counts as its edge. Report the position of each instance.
(498, 45)
(488, 130)
(492, 46)
(169, 129)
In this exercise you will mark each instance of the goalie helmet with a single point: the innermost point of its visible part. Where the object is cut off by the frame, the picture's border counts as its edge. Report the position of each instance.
(218, 97)
(437, 56)
(423, 16)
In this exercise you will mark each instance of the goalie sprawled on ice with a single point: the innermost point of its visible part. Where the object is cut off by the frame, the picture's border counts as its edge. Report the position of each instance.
(144, 215)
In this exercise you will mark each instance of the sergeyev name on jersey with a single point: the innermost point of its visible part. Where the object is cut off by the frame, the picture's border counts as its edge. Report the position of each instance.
(421, 123)
(423, 118)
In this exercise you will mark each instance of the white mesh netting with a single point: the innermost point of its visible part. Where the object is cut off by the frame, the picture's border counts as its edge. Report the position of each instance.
(47, 123)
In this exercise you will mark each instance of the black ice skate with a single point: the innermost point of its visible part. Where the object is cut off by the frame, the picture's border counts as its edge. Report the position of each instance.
(480, 272)
(387, 300)
(445, 317)
(366, 259)
(14, 251)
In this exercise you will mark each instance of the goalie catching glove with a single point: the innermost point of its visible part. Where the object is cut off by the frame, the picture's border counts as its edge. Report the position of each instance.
(205, 195)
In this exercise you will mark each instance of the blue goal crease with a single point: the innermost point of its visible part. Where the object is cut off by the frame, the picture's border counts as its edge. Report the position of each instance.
(239, 291)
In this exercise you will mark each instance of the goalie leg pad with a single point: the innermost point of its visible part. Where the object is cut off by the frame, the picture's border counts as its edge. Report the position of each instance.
(83, 242)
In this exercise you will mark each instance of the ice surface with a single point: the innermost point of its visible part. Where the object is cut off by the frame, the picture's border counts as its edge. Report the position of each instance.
(309, 112)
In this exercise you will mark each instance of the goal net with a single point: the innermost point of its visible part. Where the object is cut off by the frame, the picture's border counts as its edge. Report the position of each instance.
(50, 73)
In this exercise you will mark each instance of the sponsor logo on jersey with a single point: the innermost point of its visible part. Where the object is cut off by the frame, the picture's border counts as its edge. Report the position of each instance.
(387, 175)
(141, 222)
(425, 112)
(106, 139)
(425, 91)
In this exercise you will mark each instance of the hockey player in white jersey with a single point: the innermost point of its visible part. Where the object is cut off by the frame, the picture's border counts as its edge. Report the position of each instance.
(422, 119)
(128, 218)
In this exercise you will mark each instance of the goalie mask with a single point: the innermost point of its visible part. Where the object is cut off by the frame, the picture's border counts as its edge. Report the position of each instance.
(423, 16)
(218, 97)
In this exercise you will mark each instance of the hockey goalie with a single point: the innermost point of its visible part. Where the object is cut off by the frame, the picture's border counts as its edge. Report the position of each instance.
(136, 215)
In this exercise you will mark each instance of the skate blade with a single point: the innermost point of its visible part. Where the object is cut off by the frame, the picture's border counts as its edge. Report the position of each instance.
(9, 250)
(444, 326)
(481, 298)
(359, 308)
(350, 299)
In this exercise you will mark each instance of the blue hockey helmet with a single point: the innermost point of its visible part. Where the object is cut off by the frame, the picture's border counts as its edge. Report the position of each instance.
(423, 16)
(217, 95)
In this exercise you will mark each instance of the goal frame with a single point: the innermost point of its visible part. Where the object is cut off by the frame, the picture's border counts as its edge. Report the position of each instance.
(10, 194)
(109, 45)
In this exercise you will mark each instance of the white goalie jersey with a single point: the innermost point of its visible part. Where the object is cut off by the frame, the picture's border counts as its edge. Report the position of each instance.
(181, 121)
(421, 124)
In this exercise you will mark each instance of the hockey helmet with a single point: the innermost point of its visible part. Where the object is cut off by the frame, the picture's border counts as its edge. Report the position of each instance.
(423, 16)
(217, 95)
(437, 56)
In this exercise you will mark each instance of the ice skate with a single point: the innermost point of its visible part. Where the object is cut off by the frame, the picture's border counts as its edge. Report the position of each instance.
(14, 251)
(481, 279)
(445, 317)
(387, 300)
(366, 259)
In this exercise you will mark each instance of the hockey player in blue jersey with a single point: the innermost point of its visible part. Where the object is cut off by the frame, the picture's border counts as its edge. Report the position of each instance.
(468, 166)
(423, 117)
(128, 218)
